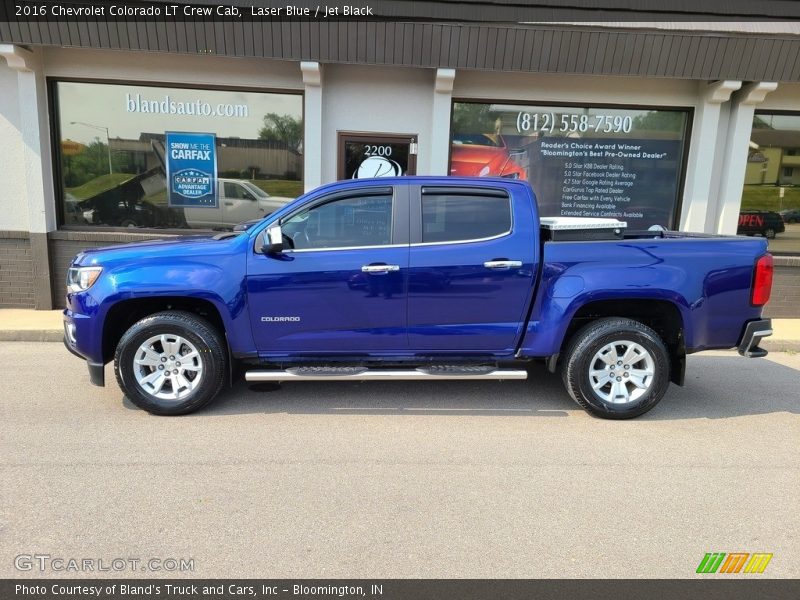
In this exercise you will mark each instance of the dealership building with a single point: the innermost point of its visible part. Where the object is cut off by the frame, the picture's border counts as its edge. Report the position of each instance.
(683, 124)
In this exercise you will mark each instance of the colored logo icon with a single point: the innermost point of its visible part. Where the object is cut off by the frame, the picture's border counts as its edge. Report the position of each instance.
(734, 562)
(191, 183)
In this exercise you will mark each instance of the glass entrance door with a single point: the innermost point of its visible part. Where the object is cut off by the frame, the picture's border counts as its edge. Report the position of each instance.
(363, 156)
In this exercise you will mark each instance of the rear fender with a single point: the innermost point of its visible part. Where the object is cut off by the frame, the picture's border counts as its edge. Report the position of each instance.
(555, 320)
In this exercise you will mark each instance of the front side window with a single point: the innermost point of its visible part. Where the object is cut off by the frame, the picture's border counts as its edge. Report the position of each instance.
(343, 223)
(256, 191)
(143, 156)
(236, 191)
(455, 218)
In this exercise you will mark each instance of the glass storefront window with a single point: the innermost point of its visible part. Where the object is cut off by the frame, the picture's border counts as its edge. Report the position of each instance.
(159, 157)
(771, 194)
(582, 161)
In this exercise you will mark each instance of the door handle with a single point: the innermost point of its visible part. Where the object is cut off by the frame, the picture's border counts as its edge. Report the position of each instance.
(229, 204)
(503, 264)
(379, 268)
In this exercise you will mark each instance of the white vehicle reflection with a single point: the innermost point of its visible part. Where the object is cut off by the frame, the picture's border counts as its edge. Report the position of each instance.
(239, 200)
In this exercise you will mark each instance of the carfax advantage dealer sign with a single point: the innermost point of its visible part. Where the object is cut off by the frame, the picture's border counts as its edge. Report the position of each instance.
(192, 169)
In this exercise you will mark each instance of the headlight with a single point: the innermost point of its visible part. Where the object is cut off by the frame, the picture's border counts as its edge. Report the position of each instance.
(484, 171)
(80, 279)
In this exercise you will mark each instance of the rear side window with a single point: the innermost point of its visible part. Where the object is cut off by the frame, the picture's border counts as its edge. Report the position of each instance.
(458, 218)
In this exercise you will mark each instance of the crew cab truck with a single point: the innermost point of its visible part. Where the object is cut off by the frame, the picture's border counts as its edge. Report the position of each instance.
(416, 278)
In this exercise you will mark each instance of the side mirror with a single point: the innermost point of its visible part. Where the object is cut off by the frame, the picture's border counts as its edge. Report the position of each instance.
(273, 243)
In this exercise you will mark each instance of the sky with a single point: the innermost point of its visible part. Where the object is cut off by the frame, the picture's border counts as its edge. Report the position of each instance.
(105, 105)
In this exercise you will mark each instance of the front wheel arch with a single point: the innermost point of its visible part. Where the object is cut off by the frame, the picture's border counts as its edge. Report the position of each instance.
(123, 314)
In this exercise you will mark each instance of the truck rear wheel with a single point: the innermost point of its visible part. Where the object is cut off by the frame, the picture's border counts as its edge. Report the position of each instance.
(171, 363)
(616, 368)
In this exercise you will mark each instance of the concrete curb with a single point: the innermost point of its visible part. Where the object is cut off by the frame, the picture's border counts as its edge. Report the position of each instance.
(781, 345)
(31, 335)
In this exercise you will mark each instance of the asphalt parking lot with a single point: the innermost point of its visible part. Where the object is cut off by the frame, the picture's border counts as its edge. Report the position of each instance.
(787, 242)
(401, 479)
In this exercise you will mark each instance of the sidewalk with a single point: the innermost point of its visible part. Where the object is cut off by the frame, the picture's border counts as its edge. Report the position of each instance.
(25, 325)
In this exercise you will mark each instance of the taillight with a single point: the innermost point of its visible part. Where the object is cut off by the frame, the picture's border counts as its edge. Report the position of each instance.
(762, 281)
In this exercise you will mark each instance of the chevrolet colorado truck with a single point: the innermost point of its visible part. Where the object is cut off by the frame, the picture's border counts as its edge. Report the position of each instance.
(416, 278)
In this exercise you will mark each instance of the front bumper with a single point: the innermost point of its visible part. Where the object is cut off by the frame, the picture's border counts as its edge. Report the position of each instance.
(73, 335)
(754, 332)
(97, 373)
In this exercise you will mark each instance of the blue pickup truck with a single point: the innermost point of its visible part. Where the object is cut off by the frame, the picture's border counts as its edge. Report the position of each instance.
(416, 278)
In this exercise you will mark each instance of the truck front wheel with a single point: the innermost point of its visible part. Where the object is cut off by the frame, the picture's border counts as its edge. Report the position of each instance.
(171, 363)
(616, 368)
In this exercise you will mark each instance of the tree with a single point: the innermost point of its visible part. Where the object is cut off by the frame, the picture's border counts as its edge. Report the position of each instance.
(285, 129)
(660, 120)
(470, 118)
(90, 163)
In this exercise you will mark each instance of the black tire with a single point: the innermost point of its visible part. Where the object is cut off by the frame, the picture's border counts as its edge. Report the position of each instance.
(581, 351)
(769, 233)
(210, 346)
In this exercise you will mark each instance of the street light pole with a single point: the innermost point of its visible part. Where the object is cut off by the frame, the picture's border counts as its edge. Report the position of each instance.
(108, 140)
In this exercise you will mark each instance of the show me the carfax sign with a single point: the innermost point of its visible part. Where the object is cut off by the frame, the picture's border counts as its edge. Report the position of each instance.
(191, 169)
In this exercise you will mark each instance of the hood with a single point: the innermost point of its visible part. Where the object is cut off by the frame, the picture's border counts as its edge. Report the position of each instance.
(173, 246)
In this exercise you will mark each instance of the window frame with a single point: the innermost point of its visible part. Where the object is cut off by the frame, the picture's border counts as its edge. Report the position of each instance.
(54, 110)
(783, 113)
(442, 190)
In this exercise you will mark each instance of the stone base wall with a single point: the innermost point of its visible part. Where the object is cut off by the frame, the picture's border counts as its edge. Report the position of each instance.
(16, 270)
(785, 300)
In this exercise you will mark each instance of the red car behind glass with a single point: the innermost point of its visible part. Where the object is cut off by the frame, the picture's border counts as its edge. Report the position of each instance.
(483, 155)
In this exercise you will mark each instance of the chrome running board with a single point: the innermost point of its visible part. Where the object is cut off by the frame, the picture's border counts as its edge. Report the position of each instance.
(364, 374)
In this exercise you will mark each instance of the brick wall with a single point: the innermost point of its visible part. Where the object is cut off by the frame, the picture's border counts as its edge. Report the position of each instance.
(64, 245)
(16, 270)
(785, 299)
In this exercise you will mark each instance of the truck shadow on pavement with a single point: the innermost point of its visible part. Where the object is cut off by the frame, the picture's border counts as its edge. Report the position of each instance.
(717, 387)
